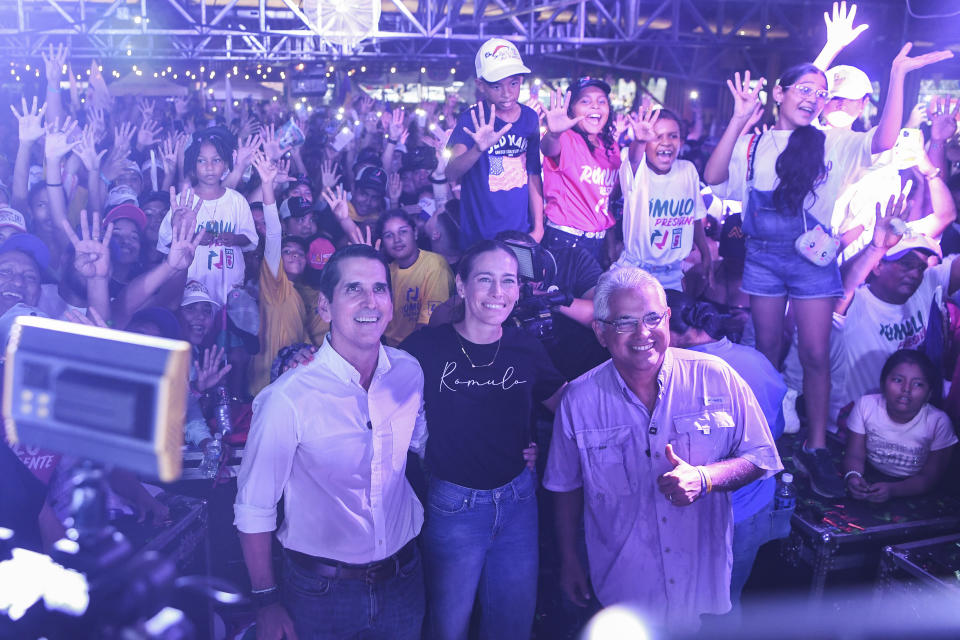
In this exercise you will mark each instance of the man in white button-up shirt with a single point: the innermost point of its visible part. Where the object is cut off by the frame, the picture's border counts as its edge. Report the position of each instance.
(332, 438)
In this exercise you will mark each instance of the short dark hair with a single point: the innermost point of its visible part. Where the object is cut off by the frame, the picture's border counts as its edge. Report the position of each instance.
(469, 258)
(297, 240)
(686, 312)
(330, 276)
(919, 358)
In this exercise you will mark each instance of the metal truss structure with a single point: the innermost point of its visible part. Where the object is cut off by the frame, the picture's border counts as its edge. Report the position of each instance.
(689, 39)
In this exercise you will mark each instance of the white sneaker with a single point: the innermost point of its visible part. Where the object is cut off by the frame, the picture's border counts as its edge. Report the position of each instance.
(791, 421)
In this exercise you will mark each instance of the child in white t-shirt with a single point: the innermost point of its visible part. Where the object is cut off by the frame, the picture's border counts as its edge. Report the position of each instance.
(899, 433)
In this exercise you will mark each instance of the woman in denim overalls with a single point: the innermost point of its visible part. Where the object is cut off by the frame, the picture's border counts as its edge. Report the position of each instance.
(788, 179)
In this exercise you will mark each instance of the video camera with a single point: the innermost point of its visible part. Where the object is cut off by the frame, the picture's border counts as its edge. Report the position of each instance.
(114, 398)
(539, 296)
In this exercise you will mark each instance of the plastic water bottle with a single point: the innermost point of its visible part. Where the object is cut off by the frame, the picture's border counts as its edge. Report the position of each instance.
(224, 423)
(211, 457)
(786, 495)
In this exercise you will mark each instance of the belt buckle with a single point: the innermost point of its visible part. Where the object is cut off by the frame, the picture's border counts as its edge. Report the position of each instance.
(381, 570)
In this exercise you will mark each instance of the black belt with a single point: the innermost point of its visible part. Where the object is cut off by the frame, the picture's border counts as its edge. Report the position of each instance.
(371, 572)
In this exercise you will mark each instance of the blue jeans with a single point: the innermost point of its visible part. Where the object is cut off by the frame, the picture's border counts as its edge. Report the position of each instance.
(554, 239)
(748, 536)
(481, 544)
(772, 266)
(339, 609)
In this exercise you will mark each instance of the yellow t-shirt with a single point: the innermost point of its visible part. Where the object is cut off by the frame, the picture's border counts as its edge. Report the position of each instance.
(417, 290)
(316, 326)
(282, 318)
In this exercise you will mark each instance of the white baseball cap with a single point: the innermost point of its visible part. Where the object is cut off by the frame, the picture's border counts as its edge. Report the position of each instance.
(498, 59)
(912, 241)
(195, 291)
(12, 218)
(844, 81)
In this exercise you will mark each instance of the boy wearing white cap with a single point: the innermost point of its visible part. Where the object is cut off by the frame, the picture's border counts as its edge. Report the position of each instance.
(495, 151)
(850, 90)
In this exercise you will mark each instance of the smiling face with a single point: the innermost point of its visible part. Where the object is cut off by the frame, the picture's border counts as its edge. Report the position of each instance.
(491, 289)
(197, 321)
(640, 351)
(400, 241)
(905, 391)
(662, 151)
(19, 280)
(799, 103)
(594, 104)
(210, 166)
(302, 227)
(125, 242)
(361, 307)
(367, 202)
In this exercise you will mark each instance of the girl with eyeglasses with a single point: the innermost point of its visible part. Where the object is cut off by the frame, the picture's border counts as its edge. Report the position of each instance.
(581, 160)
(788, 179)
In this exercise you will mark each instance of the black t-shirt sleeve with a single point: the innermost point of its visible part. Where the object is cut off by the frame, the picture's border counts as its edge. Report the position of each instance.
(548, 378)
(577, 270)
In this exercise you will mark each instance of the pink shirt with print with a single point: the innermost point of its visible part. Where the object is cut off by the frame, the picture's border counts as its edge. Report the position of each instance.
(577, 184)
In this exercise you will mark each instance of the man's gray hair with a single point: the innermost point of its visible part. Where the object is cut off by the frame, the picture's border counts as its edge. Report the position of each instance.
(620, 279)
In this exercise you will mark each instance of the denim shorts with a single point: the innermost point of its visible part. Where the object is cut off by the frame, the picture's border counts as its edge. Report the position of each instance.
(775, 269)
(772, 266)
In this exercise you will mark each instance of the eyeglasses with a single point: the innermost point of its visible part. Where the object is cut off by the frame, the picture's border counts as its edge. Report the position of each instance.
(806, 92)
(651, 320)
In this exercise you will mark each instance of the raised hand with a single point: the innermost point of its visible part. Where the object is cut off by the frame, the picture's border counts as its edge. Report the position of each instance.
(840, 29)
(247, 148)
(57, 143)
(620, 125)
(53, 62)
(890, 226)
(271, 142)
(183, 246)
(642, 124)
(92, 254)
(394, 187)
(146, 108)
(211, 368)
(149, 133)
(168, 154)
(364, 105)
(557, 119)
(96, 119)
(744, 98)
(336, 199)
(484, 133)
(86, 150)
(266, 169)
(394, 121)
(122, 135)
(30, 120)
(943, 120)
(184, 207)
(905, 64)
(283, 173)
(329, 176)
(754, 119)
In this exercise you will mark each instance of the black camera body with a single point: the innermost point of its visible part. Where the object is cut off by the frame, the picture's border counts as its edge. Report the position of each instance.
(538, 295)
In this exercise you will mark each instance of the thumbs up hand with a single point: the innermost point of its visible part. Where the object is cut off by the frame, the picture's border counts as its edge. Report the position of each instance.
(681, 486)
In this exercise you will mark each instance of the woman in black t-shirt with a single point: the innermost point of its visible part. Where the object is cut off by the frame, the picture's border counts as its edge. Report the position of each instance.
(481, 381)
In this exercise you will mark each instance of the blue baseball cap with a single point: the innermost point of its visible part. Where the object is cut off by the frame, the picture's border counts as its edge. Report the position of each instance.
(34, 247)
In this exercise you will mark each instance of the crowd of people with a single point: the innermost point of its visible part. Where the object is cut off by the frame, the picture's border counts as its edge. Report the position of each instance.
(356, 291)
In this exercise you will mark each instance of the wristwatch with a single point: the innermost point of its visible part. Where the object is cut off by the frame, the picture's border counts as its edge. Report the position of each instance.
(933, 174)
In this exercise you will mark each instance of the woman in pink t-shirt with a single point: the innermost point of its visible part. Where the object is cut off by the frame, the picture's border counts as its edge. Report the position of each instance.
(581, 160)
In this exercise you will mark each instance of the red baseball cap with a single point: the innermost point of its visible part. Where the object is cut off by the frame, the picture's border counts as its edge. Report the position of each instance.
(127, 212)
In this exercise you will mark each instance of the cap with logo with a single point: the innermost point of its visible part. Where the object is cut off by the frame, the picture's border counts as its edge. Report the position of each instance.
(372, 178)
(498, 59)
(120, 194)
(844, 81)
(913, 242)
(295, 207)
(10, 217)
(319, 252)
(194, 292)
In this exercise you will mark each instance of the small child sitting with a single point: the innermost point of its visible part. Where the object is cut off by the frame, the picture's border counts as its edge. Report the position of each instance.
(897, 437)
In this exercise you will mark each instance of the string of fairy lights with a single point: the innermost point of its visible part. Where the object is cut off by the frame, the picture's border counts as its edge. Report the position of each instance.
(257, 71)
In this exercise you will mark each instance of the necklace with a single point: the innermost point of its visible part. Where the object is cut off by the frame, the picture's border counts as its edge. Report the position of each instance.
(467, 356)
